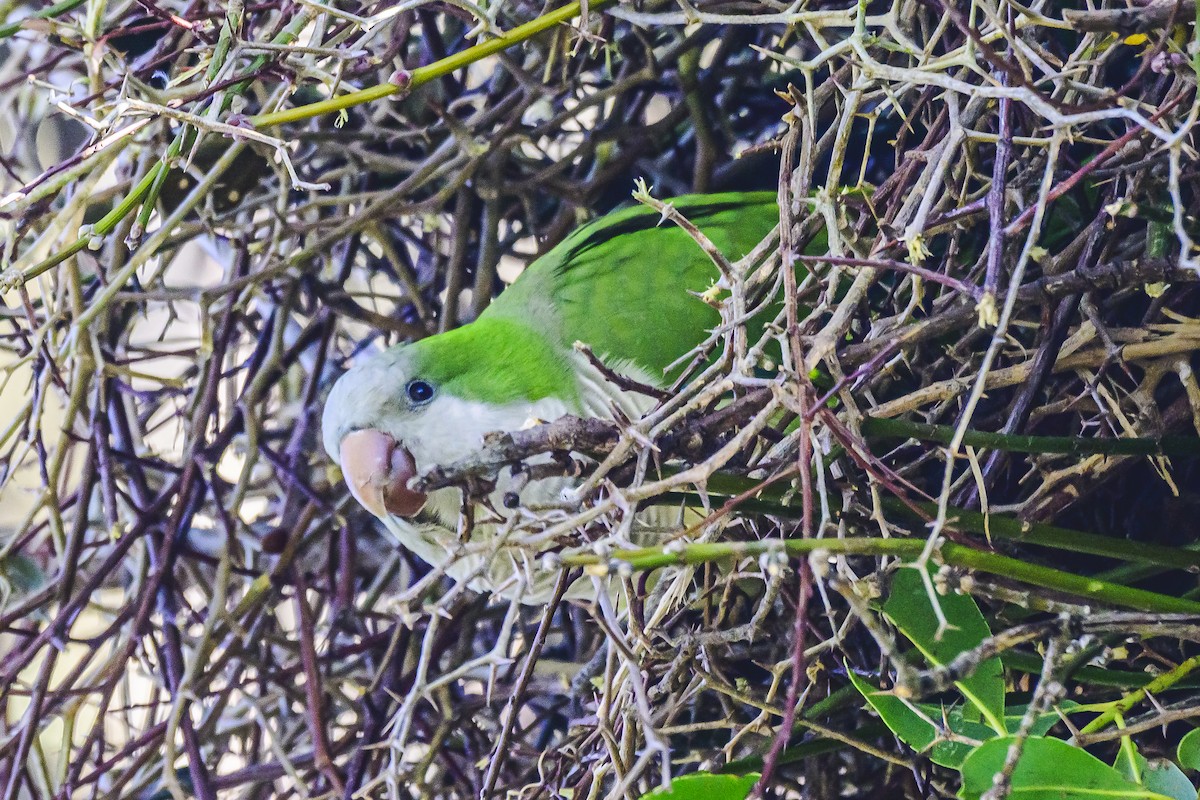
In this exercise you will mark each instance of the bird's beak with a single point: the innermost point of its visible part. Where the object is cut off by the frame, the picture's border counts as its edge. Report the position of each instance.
(377, 470)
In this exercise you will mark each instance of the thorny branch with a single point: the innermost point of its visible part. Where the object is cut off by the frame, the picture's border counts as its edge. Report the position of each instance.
(190, 603)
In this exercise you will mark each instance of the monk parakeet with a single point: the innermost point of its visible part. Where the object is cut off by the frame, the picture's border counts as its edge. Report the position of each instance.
(627, 285)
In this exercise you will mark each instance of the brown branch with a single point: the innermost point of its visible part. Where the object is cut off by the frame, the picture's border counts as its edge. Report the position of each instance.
(1144, 19)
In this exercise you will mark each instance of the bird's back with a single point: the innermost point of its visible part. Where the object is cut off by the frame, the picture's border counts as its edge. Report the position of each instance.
(626, 285)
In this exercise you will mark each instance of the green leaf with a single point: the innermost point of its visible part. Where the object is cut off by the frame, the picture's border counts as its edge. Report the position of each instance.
(1160, 776)
(706, 786)
(1189, 751)
(910, 609)
(1049, 769)
(1045, 721)
(914, 729)
(917, 732)
(20, 575)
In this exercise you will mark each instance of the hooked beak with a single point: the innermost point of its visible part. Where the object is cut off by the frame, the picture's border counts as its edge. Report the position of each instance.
(377, 470)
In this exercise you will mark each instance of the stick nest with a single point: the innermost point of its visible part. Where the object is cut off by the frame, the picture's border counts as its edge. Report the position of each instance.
(1004, 200)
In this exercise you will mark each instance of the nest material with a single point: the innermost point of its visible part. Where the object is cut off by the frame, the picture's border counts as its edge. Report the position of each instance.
(197, 608)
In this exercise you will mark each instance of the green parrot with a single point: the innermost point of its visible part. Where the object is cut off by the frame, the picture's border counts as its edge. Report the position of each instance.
(627, 285)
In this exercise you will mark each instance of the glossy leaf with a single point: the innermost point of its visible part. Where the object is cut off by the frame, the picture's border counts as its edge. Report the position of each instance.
(914, 729)
(22, 573)
(1189, 751)
(1045, 721)
(706, 786)
(910, 609)
(1049, 769)
(1159, 776)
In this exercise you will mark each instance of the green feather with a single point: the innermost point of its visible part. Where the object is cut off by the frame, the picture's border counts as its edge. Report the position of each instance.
(494, 360)
(625, 284)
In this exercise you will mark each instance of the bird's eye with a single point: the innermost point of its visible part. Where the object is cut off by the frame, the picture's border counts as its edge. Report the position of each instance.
(419, 392)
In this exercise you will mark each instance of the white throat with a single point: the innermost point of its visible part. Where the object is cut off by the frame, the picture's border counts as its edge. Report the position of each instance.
(435, 539)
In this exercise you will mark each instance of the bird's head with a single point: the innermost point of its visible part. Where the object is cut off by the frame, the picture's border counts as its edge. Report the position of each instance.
(429, 403)
(371, 418)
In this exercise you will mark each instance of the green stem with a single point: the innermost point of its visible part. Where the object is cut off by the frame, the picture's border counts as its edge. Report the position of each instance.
(957, 555)
(143, 218)
(103, 226)
(1033, 664)
(233, 21)
(1159, 684)
(151, 182)
(875, 428)
(99, 304)
(431, 72)
(56, 10)
(1053, 536)
(993, 526)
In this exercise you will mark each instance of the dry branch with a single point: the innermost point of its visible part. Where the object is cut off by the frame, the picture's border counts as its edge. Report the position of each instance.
(190, 602)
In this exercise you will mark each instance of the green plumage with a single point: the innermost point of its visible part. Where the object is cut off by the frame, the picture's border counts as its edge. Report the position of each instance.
(494, 360)
(624, 284)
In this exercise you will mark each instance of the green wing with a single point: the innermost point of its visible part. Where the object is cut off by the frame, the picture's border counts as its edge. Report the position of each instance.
(623, 284)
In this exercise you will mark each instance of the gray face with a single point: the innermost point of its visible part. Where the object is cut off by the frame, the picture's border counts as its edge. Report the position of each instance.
(381, 393)
(384, 423)
(371, 416)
